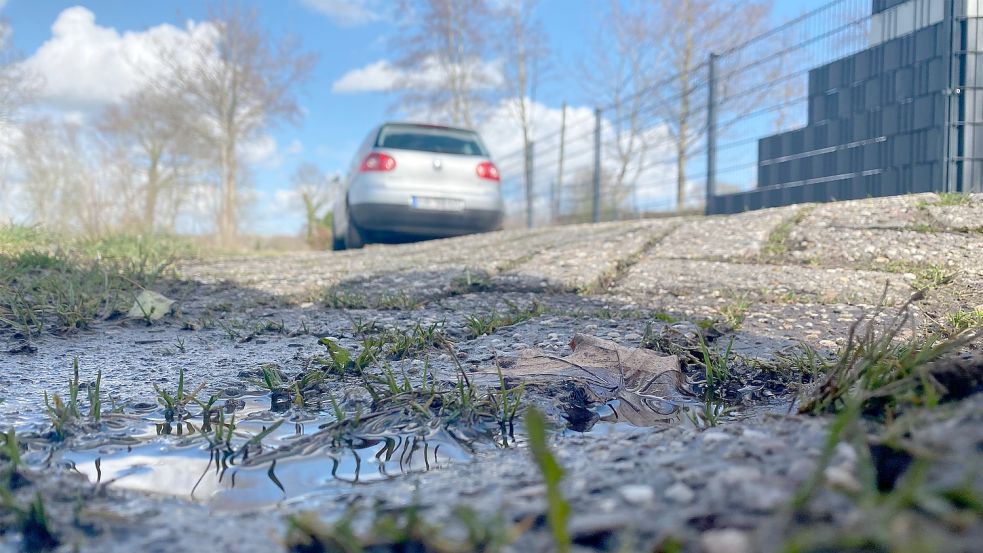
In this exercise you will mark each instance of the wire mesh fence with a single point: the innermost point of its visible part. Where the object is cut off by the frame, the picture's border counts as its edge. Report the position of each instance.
(773, 115)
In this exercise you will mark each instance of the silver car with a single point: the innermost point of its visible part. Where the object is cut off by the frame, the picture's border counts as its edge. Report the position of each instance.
(412, 181)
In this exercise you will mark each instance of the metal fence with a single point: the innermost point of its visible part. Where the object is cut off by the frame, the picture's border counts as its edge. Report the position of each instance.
(847, 100)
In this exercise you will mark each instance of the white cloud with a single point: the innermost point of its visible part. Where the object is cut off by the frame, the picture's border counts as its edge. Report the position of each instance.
(375, 77)
(265, 151)
(346, 13)
(276, 212)
(381, 75)
(285, 200)
(2, 4)
(197, 216)
(260, 150)
(74, 117)
(296, 147)
(85, 65)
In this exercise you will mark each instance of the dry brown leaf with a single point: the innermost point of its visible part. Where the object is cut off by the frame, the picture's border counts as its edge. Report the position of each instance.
(641, 379)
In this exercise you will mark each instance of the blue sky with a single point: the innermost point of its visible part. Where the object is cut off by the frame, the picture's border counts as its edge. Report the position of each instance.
(346, 35)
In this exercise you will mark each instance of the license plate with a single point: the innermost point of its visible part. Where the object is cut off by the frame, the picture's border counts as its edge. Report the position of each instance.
(437, 204)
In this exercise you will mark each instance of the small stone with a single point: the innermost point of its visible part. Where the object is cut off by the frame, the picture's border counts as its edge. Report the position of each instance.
(637, 494)
(732, 476)
(727, 540)
(800, 469)
(607, 505)
(845, 455)
(763, 497)
(842, 478)
(680, 493)
(715, 437)
(754, 435)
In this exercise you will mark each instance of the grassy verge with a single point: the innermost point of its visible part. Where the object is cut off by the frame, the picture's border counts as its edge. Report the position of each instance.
(49, 282)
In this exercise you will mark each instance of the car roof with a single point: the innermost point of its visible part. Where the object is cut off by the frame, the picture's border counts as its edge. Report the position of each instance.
(427, 126)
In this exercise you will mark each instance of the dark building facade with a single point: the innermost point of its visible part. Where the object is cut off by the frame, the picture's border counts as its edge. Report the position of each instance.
(898, 117)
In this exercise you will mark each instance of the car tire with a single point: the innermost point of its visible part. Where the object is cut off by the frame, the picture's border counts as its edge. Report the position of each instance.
(354, 239)
(337, 243)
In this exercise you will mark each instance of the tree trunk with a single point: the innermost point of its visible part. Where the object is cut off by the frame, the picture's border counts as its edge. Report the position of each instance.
(681, 145)
(227, 219)
(311, 218)
(680, 176)
(682, 138)
(153, 189)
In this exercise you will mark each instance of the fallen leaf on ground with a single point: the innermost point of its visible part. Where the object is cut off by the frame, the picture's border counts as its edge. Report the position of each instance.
(150, 305)
(640, 379)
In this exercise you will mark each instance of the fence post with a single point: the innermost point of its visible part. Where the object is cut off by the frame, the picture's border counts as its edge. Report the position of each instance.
(950, 98)
(558, 185)
(711, 133)
(529, 183)
(596, 204)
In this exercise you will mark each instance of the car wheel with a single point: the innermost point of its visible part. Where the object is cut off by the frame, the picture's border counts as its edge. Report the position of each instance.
(337, 240)
(354, 238)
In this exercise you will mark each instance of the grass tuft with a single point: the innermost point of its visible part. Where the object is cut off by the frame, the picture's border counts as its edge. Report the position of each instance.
(339, 298)
(733, 312)
(946, 199)
(777, 244)
(882, 371)
(558, 509)
(488, 323)
(403, 530)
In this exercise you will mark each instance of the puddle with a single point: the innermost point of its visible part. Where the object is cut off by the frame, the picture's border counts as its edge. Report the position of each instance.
(227, 482)
(303, 455)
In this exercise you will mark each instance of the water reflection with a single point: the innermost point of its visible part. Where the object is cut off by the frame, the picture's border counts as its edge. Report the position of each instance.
(229, 480)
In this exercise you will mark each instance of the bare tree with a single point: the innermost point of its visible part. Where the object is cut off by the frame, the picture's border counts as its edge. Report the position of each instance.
(684, 33)
(523, 51)
(619, 74)
(43, 172)
(17, 86)
(155, 150)
(317, 193)
(578, 202)
(234, 88)
(14, 82)
(444, 71)
(62, 178)
(789, 90)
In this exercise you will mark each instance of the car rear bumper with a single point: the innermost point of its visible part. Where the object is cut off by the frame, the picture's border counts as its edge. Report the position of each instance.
(420, 222)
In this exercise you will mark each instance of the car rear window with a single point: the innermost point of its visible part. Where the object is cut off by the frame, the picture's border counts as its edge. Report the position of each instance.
(424, 139)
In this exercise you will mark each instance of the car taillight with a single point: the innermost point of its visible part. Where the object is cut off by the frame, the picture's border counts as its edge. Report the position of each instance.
(377, 162)
(487, 170)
